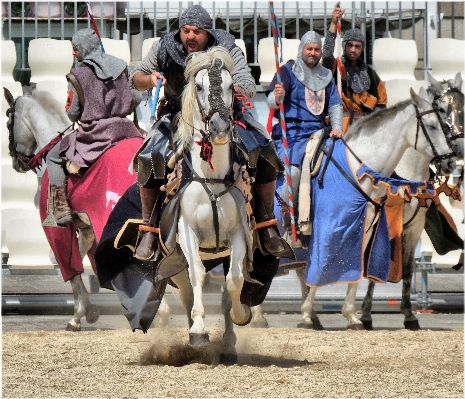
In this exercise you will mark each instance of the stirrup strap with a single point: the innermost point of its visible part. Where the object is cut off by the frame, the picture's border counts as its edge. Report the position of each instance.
(266, 223)
(143, 227)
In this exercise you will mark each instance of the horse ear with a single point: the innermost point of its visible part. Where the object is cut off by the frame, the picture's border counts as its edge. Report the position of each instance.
(8, 96)
(458, 81)
(419, 99)
(437, 87)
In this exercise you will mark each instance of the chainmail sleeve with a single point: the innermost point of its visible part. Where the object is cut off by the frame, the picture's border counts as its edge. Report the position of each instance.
(327, 56)
(335, 116)
(148, 65)
(74, 110)
(241, 74)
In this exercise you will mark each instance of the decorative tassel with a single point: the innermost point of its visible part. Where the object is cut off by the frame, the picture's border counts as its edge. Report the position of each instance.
(206, 150)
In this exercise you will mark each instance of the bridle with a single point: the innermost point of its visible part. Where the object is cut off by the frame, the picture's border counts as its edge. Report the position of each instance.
(450, 93)
(420, 124)
(215, 97)
(22, 159)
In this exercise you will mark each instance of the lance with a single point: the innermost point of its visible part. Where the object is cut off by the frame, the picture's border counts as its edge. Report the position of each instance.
(92, 20)
(274, 25)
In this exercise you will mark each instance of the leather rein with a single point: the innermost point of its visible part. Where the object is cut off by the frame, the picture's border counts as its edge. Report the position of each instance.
(23, 159)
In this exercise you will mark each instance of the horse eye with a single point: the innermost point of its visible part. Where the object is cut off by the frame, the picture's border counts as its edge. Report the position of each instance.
(432, 127)
(198, 87)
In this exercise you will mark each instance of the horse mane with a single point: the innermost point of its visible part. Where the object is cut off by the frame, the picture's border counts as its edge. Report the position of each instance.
(50, 104)
(376, 117)
(194, 63)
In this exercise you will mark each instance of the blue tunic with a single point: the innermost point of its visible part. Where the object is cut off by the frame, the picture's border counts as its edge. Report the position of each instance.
(300, 121)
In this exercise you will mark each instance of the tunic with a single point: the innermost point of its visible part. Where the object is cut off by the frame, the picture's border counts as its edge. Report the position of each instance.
(301, 123)
(103, 118)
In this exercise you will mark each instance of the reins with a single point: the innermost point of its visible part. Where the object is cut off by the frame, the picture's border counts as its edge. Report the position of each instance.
(25, 160)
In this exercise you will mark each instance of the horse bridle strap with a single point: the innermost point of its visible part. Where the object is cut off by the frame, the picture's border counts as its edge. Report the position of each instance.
(421, 124)
(212, 196)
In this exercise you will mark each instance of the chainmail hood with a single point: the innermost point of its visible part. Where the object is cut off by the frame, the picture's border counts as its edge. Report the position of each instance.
(105, 66)
(357, 80)
(196, 16)
(316, 78)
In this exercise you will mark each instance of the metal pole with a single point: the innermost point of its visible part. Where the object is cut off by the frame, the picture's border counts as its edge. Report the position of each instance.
(400, 20)
(255, 41)
(241, 23)
(49, 24)
(387, 19)
(363, 27)
(297, 21)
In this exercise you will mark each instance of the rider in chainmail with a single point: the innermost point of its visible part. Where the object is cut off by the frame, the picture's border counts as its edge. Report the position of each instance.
(362, 89)
(100, 99)
(311, 103)
(168, 55)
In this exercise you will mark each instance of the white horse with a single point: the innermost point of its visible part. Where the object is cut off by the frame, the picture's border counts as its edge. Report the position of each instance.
(209, 217)
(34, 120)
(415, 166)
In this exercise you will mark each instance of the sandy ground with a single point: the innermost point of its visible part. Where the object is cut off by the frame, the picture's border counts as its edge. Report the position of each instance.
(273, 362)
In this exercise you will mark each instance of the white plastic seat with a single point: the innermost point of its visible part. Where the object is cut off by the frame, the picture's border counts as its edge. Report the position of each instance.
(399, 89)
(395, 58)
(8, 60)
(8, 65)
(26, 241)
(57, 88)
(241, 44)
(447, 58)
(267, 60)
(50, 59)
(117, 48)
(147, 45)
(18, 189)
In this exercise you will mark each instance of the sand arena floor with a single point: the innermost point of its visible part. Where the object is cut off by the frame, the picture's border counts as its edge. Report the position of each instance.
(273, 362)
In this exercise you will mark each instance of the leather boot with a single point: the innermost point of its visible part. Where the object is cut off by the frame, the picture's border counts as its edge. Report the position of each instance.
(61, 209)
(269, 237)
(145, 247)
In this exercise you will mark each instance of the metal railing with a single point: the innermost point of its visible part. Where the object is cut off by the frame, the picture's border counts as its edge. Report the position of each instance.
(248, 20)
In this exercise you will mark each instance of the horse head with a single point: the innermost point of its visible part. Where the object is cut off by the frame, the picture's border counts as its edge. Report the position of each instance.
(449, 102)
(433, 140)
(21, 146)
(208, 96)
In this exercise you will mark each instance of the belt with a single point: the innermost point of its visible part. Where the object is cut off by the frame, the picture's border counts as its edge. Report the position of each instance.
(355, 114)
(292, 120)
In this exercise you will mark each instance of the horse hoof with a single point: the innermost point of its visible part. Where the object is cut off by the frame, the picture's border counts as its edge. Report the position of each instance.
(305, 324)
(356, 327)
(248, 317)
(73, 327)
(412, 325)
(92, 314)
(368, 324)
(259, 324)
(228, 359)
(317, 324)
(199, 340)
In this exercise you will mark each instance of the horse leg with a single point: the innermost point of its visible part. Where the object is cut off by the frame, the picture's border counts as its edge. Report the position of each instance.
(240, 313)
(184, 293)
(348, 309)
(163, 313)
(82, 305)
(228, 355)
(410, 238)
(367, 305)
(410, 320)
(309, 317)
(198, 335)
(258, 320)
